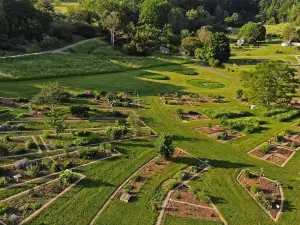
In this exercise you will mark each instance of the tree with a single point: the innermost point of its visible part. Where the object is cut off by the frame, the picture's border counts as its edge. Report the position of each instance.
(177, 19)
(216, 50)
(198, 17)
(164, 145)
(190, 44)
(253, 32)
(289, 32)
(55, 122)
(51, 94)
(111, 21)
(155, 12)
(205, 34)
(45, 5)
(270, 84)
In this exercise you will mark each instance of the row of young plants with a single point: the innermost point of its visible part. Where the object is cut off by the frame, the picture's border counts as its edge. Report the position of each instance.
(9, 146)
(229, 113)
(248, 126)
(27, 203)
(38, 168)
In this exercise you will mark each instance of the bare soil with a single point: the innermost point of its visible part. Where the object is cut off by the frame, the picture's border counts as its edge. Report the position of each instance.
(184, 195)
(6, 102)
(277, 154)
(194, 116)
(185, 210)
(217, 130)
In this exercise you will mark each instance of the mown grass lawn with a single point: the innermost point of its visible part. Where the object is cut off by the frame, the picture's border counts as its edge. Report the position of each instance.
(80, 204)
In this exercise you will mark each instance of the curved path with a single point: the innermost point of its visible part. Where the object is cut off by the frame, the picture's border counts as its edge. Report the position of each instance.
(209, 69)
(59, 50)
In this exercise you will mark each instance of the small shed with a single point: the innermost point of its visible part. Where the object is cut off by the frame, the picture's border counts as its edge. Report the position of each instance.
(286, 44)
(125, 197)
(164, 50)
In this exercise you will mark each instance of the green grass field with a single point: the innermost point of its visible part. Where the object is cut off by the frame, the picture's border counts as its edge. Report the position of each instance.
(81, 204)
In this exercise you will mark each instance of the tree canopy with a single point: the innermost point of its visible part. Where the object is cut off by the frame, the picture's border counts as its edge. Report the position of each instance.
(270, 84)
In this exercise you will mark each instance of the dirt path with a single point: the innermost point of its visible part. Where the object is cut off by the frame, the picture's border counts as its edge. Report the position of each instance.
(209, 69)
(59, 50)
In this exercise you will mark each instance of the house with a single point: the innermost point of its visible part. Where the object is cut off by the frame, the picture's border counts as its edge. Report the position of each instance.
(286, 44)
(164, 50)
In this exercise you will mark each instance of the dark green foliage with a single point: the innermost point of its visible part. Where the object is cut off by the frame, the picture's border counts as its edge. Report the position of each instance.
(190, 44)
(153, 76)
(254, 189)
(229, 113)
(80, 111)
(54, 167)
(87, 153)
(30, 144)
(164, 145)
(3, 207)
(239, 93)
(253, 33)
(19, 150)
(282, 78)
(249, 126)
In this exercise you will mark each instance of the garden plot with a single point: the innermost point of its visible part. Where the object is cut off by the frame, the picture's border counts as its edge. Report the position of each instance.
(266, 192)
(13, 103)
(19, 145)
(111, 99)
(220, 133)
(152, 168)
(175, 100)
(22, 171)
(290, 140)
(25, 205)
(272, 153)
(184, 200)
(190, 115)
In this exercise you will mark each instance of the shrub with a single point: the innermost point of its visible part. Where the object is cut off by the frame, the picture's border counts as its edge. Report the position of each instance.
(54, 167)
(247, 173)
(86, 153)
(46, 163)
(66, 177)
(287, 116)
(3, 207)
(116, 132)
(32, 170)
(180, 175)
(82, 133)
(154, 76)
(84, 30)
(29, 144)
(202, 196)
(222, 136)
(3, 149)
(62, 31)
(179, 111)
(137, 177)
(275, 112)
(249, 126)
(254, 189)
(279, 138)
(67, 163)
(128, 188)
(239, 93)
(3, 181)
(265, 148)
(19, 150)
(80, 111)
(156, 199)
(229, 113)
(214, 62)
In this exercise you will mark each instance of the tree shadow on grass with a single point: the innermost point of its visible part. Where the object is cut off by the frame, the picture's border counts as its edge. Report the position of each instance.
(218, 200)
(227, 164)
(183, 138)
(288, 207)
(190, 161)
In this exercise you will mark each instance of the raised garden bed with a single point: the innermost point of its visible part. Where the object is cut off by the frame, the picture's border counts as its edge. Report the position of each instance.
(13, 103)
(272, 153)
(266, 192)
(175, 101)
(221, 134)
(25, 204)
(190, 115)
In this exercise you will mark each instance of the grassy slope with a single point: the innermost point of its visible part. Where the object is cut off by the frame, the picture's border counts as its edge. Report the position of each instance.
(228, 159)
(77, 63)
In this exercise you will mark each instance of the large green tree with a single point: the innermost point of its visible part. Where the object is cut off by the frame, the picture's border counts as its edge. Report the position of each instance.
(164, 145)
(253, 32)
(270, 84)
(155, 12)
(111, 21)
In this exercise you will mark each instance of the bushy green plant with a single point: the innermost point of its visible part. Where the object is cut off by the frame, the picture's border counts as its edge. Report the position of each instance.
(80, 111)
(116, 132)
(46, 163)
(29, 144)
(86, 153)
(156, 199)
(172, 184)
(66, 176)
(229, 113)
(67, 163)
(3, 149)
(54, 167)
(254, 189)
(287, 116)
(128, 188)
(32, 170)
(247, 173)
(3, 207)
(265, 148)
(3, 181)
(19, 150)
